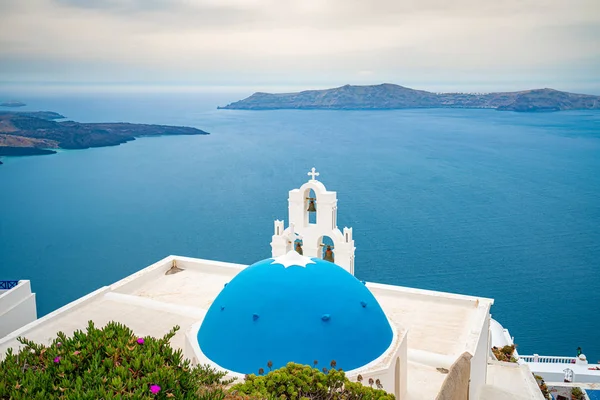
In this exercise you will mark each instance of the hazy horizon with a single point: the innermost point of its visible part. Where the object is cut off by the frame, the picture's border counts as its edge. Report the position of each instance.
(22, 91)
(464, 45)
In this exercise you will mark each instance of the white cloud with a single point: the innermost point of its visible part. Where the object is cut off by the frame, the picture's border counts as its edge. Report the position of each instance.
(250, 40)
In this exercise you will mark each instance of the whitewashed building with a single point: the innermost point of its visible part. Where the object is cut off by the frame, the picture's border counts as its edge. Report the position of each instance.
(303, 304)
(17, 305)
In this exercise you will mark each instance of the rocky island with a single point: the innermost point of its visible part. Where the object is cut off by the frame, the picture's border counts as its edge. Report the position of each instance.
(12, 103)
(389, 96)
(37, 133)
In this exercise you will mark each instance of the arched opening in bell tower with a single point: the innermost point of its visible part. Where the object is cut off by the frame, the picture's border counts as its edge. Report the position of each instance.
(310, 206)
(326, 249)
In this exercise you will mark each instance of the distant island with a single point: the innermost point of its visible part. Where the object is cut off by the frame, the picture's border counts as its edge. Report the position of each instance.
(389, 96)
(12, 104)
(37, 133)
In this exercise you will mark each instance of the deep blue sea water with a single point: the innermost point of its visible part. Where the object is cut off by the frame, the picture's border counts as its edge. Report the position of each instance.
(593, 394)
(496, 204)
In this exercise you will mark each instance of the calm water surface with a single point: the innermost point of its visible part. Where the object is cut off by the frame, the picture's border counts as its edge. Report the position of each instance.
(502, 205)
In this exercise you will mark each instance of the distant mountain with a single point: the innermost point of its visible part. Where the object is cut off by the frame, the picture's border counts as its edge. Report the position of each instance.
(390, 96)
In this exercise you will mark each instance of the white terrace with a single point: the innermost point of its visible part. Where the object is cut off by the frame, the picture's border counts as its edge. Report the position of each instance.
(441, 326)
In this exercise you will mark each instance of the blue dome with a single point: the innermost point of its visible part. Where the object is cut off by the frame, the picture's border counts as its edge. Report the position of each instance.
(298, 313)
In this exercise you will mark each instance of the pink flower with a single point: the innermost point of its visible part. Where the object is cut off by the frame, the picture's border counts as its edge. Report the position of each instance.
(141, 341)
(58, 344)
(154, 389)
(57, 359)
(76, 352)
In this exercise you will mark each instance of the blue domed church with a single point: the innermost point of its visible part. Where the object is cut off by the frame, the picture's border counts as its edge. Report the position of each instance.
(294, 308)
(304, 304)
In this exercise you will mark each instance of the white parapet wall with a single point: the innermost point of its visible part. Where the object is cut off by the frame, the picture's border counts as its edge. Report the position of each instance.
(17, 307)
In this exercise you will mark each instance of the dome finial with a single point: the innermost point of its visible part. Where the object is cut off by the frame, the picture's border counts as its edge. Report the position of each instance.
(313, 173)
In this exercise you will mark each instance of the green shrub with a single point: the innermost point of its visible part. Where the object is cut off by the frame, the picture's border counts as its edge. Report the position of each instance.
(107, 363)
(505, 353)
(113, 363)
(577, 394)
(296, 381)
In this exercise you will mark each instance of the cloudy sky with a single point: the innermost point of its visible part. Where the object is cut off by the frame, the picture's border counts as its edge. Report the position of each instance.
(475, 44)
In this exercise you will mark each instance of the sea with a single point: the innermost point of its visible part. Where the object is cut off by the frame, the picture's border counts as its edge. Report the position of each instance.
(497, 204)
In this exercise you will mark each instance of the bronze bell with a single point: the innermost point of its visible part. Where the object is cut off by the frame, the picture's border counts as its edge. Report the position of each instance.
(328, 254)
(311, 206)
(298, 248)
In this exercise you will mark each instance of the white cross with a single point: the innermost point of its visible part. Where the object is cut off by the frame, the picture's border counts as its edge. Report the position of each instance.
(313, 173)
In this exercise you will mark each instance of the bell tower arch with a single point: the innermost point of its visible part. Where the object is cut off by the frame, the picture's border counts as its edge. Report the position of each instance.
(324, 204)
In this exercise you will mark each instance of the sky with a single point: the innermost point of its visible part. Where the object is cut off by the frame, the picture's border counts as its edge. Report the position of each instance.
(473, 45)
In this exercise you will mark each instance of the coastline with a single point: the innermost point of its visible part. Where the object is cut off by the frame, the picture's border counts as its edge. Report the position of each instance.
(37, 133)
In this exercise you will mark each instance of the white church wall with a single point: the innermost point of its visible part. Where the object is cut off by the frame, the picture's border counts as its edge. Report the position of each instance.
(481, 355)
(390, 368)
(402, 375)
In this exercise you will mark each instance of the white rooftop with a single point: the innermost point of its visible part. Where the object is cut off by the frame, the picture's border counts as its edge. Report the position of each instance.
(441, 326)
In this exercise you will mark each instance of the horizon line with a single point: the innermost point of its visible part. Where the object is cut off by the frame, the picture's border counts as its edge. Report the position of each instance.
(434, 87)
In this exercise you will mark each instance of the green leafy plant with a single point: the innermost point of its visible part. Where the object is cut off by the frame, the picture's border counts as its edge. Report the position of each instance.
(577, 394)
(113, 363)
(107, 363)
(505, 353)
(301, 382)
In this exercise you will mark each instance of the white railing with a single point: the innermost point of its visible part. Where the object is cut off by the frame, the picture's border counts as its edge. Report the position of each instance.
(536, 358)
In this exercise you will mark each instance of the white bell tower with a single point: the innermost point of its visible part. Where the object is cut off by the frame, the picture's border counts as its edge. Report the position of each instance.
(312, 234)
